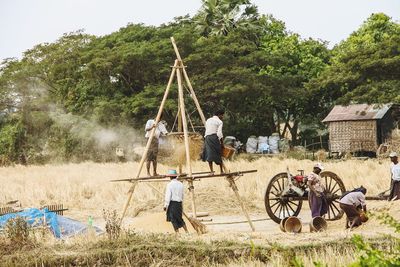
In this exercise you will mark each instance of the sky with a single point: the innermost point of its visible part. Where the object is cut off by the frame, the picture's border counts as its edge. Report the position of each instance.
(25, 23)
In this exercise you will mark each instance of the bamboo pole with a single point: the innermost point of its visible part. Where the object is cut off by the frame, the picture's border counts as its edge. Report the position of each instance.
(180, 129)
(196, 102)
(186, 137)
(232, 184)
(160, 110)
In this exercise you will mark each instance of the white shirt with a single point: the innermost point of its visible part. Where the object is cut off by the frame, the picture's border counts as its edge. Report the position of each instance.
(173, 192)
(159, 130)
(395, 170)
(353, 198)
(214, 126)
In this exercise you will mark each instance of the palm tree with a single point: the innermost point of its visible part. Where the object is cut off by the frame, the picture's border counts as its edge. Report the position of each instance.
(219, 17)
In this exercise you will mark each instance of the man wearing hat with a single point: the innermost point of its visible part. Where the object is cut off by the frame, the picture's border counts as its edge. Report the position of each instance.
(173, 202)
(395, 175)
(316, 196)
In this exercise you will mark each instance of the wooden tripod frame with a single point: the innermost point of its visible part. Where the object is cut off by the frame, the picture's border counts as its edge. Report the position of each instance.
(179, 70)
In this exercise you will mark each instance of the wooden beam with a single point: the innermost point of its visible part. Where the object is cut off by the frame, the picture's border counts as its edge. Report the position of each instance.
(130, 192)
(186, 137)
(232, 184)
(196, 102)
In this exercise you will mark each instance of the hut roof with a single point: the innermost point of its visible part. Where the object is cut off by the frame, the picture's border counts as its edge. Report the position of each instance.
(357, 112)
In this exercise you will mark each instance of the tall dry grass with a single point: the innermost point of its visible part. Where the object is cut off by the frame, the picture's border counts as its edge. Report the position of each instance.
(86, 188)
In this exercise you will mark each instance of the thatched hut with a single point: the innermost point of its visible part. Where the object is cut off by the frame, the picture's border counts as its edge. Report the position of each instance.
(361, 127)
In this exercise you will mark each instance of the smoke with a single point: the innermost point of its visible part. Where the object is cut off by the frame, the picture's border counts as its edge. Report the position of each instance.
(105, 139)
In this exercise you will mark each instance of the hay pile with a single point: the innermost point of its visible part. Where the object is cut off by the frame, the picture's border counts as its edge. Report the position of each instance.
(173, 151)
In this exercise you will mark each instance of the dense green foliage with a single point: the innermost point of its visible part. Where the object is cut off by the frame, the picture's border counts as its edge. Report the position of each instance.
(365, 67)
(264, 76)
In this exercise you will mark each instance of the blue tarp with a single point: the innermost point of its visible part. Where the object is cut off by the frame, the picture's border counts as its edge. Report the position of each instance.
(60, 226)
(34, 217)
(71, 227)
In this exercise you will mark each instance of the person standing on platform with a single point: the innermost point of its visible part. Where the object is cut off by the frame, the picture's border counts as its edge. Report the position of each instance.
(213, 142)
(153, 149)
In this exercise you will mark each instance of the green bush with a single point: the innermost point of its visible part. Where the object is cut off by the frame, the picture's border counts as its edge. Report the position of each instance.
(372, 256)
(11, 141)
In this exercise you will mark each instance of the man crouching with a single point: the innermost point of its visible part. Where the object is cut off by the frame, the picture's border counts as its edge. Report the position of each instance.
(173, 202)
(354, 205)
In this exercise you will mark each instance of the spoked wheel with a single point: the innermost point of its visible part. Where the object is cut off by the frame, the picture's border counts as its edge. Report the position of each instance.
(334, 190)
(279, 207)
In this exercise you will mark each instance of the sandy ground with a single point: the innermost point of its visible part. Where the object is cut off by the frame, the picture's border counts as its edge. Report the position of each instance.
(267, 231)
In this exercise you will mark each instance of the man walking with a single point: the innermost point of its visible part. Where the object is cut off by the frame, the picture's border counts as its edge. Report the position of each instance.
(213, 142)
(316, 196)
(173, 202)
(395, 177)
(153, 149)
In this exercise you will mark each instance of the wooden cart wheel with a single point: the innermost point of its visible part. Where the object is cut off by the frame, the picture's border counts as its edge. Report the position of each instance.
(279, 207)
(334, 190)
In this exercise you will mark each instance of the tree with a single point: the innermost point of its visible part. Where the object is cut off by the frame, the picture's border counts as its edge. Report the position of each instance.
(292, 62)
(219, 17)
(365, 67)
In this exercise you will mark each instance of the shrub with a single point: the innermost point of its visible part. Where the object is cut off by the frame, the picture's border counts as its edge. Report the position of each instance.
(17, 231)
(113, 227)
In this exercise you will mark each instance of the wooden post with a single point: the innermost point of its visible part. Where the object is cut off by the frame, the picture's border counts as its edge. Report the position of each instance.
(196, 102)
(180, 129)
(232, 184)
(160, 110)
(186, 136)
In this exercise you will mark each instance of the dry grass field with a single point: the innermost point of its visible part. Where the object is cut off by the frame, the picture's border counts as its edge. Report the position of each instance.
(86, 187)
(86, 190)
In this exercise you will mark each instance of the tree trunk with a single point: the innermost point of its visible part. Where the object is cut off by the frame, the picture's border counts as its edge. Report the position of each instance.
(293, 132)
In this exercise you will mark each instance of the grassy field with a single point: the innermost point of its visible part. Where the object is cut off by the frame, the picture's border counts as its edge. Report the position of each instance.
(86, 190)
(165, 250)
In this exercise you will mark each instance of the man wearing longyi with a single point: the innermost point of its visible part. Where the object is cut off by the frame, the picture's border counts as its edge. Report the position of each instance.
(213, 142)
(173, 202)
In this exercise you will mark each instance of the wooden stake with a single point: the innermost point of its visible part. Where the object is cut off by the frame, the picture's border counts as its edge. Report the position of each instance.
(196, 102)
(186, 136)
(232, 184)
(160, 110)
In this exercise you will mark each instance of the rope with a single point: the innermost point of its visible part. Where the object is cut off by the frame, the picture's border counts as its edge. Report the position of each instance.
(176, 119)
(257, 220)
(190, 121)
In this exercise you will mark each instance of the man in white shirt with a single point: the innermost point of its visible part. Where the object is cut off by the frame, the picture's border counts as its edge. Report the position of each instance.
(213, 142)
(173, 202)
(354, 205)
(395, 177)
(153, 149)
